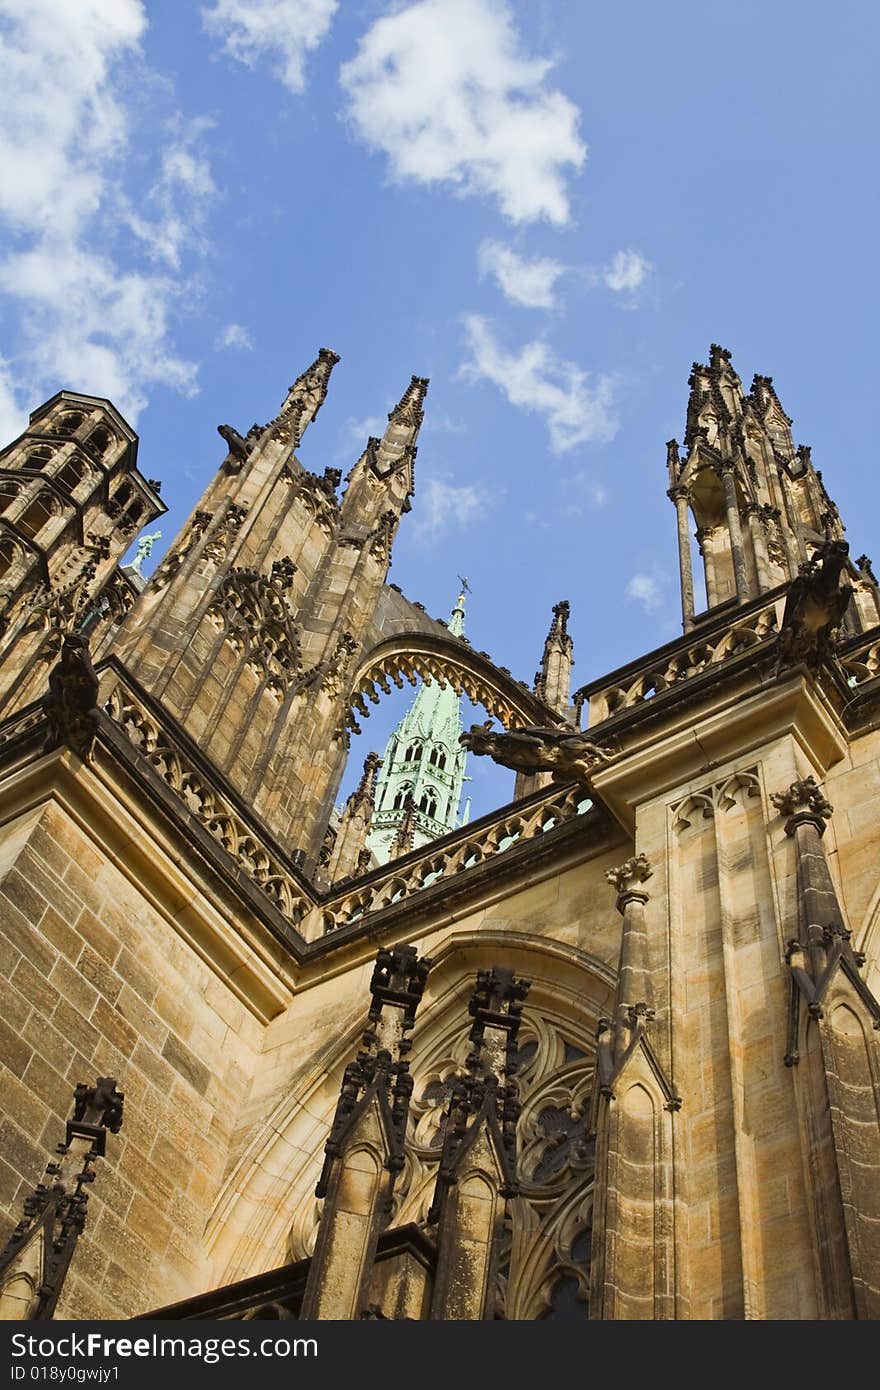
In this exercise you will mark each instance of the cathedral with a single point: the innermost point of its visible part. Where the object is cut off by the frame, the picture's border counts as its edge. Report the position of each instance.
(610, 1051)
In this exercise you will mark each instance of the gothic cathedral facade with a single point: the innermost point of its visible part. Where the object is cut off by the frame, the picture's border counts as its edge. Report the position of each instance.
(610, 1051)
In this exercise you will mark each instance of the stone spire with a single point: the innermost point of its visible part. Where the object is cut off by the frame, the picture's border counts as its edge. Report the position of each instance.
(301, 404)
(390, 460)
(760, 507)
(424, 764)
(347, 853)
(553, 680)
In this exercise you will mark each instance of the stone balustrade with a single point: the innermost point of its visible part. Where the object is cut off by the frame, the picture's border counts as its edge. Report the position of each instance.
(677, 662)
(311, 912)
(454, 854)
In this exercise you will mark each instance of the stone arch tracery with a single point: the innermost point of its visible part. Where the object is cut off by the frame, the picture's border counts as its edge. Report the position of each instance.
(545, 1266)
(409, 656)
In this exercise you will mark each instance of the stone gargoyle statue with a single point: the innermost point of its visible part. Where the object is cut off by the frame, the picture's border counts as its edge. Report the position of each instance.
(239, 445)
(71, 705)
(814, 608)
(566, 753)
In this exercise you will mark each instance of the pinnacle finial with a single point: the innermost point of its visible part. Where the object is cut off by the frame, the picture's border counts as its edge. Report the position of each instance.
(408, 410)
(305, 398)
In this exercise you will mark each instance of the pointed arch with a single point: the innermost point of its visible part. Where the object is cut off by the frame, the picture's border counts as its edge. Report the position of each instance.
(267, 1211)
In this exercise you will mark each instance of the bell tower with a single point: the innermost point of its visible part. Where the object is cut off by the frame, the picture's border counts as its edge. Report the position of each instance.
(418, 792)
(71, 501)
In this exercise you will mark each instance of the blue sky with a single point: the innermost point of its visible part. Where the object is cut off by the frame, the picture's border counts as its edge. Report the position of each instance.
(549, 208)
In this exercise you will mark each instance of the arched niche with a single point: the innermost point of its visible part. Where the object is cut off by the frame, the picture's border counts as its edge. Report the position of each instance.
(267, 1212)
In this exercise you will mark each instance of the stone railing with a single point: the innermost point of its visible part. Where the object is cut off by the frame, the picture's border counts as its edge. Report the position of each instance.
(238, 834)
(677, 662)
(456, 853)
(863, 663)
(311, 913)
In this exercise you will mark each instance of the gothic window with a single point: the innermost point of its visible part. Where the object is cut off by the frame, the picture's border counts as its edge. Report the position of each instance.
(99, 441)
(122, 494)
(39, 457)
(70, 423)
(38, 513)
(8, 494)
(437, 758)
(402, 793)
(428, 802)
(413, 753)
(134, 514)
(7, 556)
(71, 475)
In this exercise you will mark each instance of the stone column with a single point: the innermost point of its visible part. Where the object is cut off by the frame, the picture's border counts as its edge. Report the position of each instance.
(704, 538)
(679, 496)
(833, 1047)
(632, 982)
(365, 1150)
(731, 504)
(478, 1165)
(758, 536)
(633, 1263)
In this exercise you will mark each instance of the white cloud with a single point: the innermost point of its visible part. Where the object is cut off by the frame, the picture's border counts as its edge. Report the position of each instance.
(87, 320)
(234, 335)
(440, 505)
(283, 31)
(181, 196)
(95, 327)
(13, 416)
(443, 88)
(626, 271)
(530, 283)
(535, 379)
(370, 427)
(647, 590)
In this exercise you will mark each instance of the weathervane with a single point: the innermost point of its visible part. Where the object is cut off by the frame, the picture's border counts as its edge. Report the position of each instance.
(465, 586)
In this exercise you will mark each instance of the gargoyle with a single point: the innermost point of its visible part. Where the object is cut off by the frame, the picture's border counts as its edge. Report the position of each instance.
(239, 445)
(566, 753)
(815, 606)
(72, 702)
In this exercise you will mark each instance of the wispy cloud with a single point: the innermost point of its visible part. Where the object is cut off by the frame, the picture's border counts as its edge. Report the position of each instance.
(584, 490)
(280, 31)
(236, 336)
(626, 271)
(532, 282)
(369, 427)
(445, 91)
(13, 415)
(87, 317)
(441, 506)
(179, 198)
(528, 282)
(648, 590)
(577, 410)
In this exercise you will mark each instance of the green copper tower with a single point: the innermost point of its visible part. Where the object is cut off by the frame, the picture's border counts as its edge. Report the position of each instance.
(418, 792)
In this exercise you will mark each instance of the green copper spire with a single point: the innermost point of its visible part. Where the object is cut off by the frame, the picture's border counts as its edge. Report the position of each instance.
(424, 765)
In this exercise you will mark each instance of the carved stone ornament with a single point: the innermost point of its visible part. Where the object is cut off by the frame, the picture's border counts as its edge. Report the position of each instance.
(803, 803)
(380, 1068)
(37, 1255)
(71, 705)
(566, 753)
(627, 878)
(815, 607)
(486, 1094)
